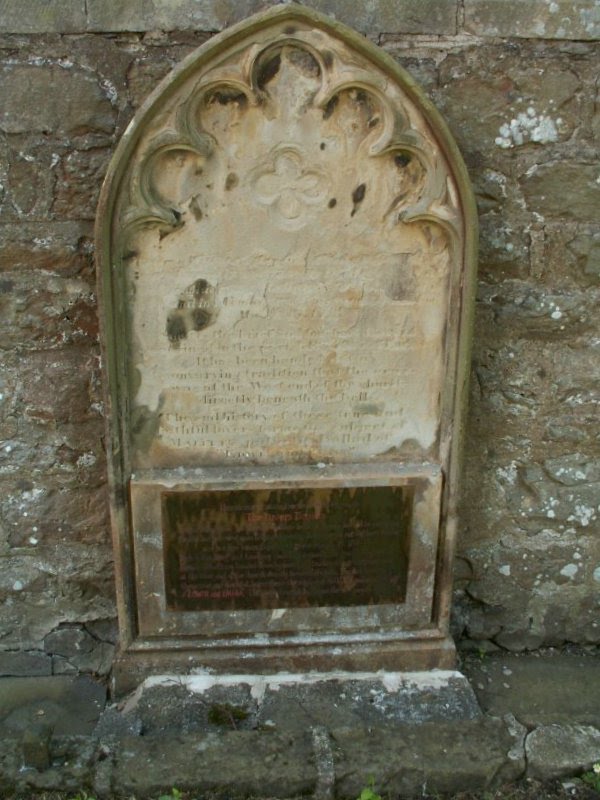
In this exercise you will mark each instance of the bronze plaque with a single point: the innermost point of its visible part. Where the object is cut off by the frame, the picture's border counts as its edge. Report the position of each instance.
(285, 548)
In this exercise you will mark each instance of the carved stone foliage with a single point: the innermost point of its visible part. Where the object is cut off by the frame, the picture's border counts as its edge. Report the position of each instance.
(288, 229)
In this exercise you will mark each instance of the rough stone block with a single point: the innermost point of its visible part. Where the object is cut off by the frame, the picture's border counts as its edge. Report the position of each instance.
(61, 247)
(536, 19)
(40, 16)
(427, 16)
(563, 189)
(55, 98)
(555, 751)
(36, 746)
(499, 99)
(24, 665)
(538, 690)
(54, 584)
(443, 757)
(70, 706)
(41, 312)
(48, 514)
(246, 762)
(532, 309)
(58, 388)
(586, 248)
(69, 641)
(79, 179)
(30, 177)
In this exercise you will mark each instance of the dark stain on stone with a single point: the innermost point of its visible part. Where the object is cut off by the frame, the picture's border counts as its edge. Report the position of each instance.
(269, 70)
(226, 96)
(231, 182)
(322, 145)
(6, 286)
(200, 287)
(402, 159)
(290, 30)
(176, 327)
(177, 223)
(331, 106)
(144, 427)
(195, 311)
(327, 57)
(200, 319)
(195, 209)
(358, 195)
(332, 203)
(128, 254)
(226, 714)
(375, 409)
(373, 122)
(304, 62)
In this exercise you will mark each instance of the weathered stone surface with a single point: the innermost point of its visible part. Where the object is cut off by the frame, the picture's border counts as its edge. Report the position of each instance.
(247, 762)
(563, 189)
(498, 104)
(52, 585)
(341, 704)
(105, 630)
(24, 664)
(538, 690)
(54, 510)
(38, 16)
(40, 311)
(60, 247)
(79, 103)
(97, 661)
(70, 641)
(404, 759)
(79, 179)
(562, 19)
(30, 176)
(69, 706)
(586, 248)
(428, 16)
(36, 746)
(113, 724)
(554, 751)
(295, 706)
(73, 765)
(59, 388)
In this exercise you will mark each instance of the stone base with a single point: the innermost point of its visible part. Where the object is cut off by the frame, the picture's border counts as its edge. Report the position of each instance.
(294, 703)
(134, 665)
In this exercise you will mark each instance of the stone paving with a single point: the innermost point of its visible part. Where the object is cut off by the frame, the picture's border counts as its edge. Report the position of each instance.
(512, 716)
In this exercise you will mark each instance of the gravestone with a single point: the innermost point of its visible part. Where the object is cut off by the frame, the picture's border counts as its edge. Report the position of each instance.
(286, 246)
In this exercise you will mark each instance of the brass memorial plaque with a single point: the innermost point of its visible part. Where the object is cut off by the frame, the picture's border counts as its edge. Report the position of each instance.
(285, 548)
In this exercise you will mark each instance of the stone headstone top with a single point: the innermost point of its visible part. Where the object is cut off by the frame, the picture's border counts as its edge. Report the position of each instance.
(286, 240)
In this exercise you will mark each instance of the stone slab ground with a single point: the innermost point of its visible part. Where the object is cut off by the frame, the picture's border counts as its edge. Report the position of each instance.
(527, 717)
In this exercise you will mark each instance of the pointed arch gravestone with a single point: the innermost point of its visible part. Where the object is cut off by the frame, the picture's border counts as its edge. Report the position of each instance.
(286, 244)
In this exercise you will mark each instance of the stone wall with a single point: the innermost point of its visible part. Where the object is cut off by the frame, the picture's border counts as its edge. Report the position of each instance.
(518, 84)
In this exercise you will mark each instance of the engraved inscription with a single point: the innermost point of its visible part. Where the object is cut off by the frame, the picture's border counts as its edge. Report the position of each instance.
(285, 548)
